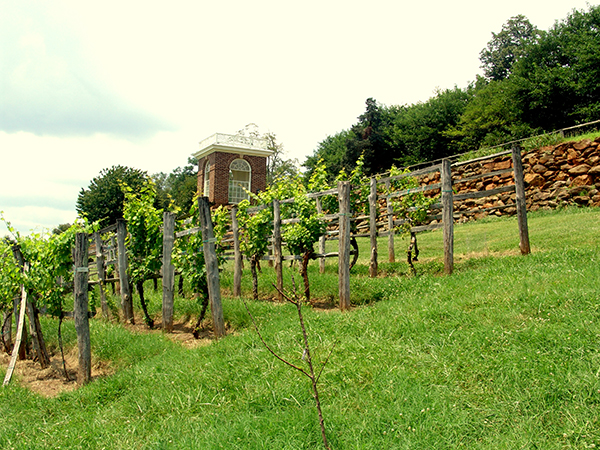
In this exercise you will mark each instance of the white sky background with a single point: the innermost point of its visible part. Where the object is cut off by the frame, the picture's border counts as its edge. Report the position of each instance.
(85, 86)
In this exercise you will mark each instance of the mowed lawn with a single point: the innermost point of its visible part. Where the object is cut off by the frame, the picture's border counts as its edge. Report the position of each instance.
(503, 354)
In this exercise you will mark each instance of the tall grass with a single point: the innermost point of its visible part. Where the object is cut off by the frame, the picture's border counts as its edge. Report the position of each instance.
(503, 354)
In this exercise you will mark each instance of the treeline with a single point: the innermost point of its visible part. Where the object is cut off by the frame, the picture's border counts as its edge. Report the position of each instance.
(534, 82)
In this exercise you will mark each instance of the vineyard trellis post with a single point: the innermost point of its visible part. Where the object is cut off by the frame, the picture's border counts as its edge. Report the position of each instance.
(373, 267)
(448, 216)
(35, 328)
(344, 244)
(168, 271)
(321, 238)
(520, 201)
(80, 308)
(126, 298)
(19, 337)
(390, 214)
(101, 273)
(237, 254)
(212, 267)
(277, 252)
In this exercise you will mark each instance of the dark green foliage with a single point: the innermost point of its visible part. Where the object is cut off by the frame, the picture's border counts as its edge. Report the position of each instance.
(534, 82)
(507, 47)
(331, 151)
(558, 80)
(177, 189)
(418, 132)
(103, 200)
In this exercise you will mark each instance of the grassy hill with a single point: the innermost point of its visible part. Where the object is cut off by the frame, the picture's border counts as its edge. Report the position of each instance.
(503, 354)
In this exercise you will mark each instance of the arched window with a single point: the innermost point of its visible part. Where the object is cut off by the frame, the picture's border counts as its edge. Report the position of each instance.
(206, 178)
(239, 180)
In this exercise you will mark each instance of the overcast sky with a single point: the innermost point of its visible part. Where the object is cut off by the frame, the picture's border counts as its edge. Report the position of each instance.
(85, 86)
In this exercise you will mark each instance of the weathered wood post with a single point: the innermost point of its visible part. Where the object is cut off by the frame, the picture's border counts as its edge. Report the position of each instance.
(101, 273)
(448, 216)
(321, 238)
(35, 328)
(19, 304)
(277, 252)
(344, 244)
(520, 201)
(237, 254)
(373, 267)
(126, 298)
(80, 309)
(19, 337)
(168, 272)
(212, 267)
(390, 214)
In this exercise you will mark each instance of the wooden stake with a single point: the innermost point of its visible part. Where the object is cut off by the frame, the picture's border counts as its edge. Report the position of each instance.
(521, 204)
(212, 267)
(126, 298)
(277, 252)
(19, 337)
(344, 244)
(80, 309)
(448, 216)
(237, 254)
(168, 271)
(373, 267)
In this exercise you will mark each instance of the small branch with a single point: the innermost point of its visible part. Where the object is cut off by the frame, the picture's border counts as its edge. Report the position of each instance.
(300, 369)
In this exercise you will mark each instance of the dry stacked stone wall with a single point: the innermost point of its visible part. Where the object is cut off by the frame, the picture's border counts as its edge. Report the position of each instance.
(565, 174)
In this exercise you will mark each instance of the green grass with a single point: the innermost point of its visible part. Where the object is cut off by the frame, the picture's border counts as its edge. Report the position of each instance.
(503, 354)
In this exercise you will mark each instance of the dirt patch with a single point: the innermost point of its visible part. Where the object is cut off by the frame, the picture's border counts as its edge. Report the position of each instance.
(182, 331)
(52, 381)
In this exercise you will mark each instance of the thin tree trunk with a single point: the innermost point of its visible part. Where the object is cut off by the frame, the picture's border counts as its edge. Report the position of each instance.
(304, 273)
(180, 287)
(140, 288)
(254, 277)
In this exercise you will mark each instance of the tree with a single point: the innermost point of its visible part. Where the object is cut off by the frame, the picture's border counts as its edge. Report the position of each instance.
(331, 151)
(418, 132)
(558, 80)
(177, 189)
(492, 116)
(368, 139)
(103, 200)
(507, 47)
(278, 167)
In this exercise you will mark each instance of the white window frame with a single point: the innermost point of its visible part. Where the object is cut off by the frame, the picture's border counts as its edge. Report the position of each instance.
(238, 188)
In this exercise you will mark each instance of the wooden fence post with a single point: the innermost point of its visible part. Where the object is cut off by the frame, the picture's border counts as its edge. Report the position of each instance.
(520, 201)
(101, 273)
(390, 213)
(448, 216)
(373, 267)
(35, 328)
(20, 320)
(321, 238)
(237, 254)
(277, 252)
(168, 271)
(80, 309)
(344, 244)
(212, 267)
(19, 304)
(126, 298)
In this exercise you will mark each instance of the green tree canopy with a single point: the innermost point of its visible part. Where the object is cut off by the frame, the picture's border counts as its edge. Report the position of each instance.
(103, 200)
(558, 80)
(507, 47)
(177, 189)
